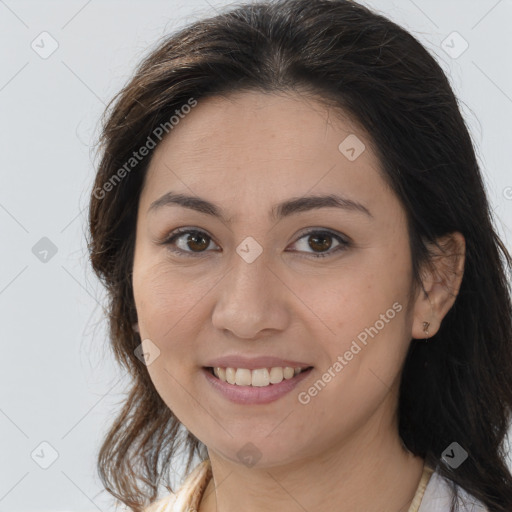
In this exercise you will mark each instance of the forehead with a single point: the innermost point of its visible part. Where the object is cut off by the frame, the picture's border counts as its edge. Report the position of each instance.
(251, 146)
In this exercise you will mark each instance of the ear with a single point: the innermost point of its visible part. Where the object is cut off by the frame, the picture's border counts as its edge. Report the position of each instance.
(441, 281)
(135, 327)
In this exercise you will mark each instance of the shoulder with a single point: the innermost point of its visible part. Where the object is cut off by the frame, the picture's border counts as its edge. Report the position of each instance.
(438, 496)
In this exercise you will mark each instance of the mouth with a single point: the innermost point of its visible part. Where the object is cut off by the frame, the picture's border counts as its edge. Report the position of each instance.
(259, 377)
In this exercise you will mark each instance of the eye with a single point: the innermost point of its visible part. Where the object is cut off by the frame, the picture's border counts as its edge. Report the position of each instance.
(322, 240)
(196, 242)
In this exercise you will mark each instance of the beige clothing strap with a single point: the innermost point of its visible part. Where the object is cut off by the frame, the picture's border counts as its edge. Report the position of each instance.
(420, 491)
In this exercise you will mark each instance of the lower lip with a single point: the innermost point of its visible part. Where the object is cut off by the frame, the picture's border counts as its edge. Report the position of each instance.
(254, 394)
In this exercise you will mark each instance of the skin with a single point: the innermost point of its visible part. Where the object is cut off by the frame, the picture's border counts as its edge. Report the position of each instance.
(246, 152)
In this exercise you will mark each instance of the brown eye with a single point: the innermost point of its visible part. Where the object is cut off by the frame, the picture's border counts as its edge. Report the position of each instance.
(319, 243)
(188, 242)
(197, 241)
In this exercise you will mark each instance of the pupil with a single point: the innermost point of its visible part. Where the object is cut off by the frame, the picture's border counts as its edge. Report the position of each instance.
(193, 239)
(322, 245)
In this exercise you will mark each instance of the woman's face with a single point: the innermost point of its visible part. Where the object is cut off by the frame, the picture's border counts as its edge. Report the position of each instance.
(310, 284)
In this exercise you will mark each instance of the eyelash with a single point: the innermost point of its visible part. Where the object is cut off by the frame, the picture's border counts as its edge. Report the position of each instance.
(169, 240)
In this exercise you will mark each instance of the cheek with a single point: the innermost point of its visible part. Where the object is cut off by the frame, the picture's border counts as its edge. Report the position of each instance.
(168, 309)
(363, 320)
(163, 295)
(344, 302)
(164, 306)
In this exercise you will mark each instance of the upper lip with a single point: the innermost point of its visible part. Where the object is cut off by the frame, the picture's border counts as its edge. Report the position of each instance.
(252, 363)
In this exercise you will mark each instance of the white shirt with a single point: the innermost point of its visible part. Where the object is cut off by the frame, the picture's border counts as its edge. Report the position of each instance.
(438, 495)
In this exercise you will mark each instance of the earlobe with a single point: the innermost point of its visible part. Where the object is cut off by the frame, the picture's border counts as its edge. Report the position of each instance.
(135, 327)
(441, 284)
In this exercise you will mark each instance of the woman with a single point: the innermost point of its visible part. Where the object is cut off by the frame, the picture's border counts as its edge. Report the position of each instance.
(304, 279)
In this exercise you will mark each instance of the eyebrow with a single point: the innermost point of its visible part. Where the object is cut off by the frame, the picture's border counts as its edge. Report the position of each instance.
(277, 212)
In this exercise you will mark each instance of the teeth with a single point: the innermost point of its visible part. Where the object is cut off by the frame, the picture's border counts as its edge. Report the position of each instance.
(230, 375)
(276, 375)
(259, 378)
(221, 373)
(288, 372)
(243, 377)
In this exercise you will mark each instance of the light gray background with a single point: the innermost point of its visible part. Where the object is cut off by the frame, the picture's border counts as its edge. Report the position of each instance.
(59, 382)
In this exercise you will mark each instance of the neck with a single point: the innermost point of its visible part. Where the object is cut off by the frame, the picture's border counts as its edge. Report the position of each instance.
(372, 472)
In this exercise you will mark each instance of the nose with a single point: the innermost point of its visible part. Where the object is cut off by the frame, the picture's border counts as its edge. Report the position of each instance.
(251, 300)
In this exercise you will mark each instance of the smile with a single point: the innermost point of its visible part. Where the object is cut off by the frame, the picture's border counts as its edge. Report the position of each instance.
(259, 377)
(254, 386)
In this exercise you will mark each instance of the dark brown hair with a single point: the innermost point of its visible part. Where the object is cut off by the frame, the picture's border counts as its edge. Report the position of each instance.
(458, 386)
